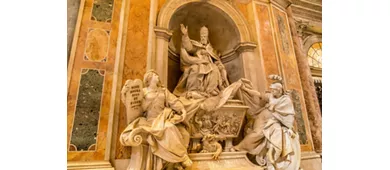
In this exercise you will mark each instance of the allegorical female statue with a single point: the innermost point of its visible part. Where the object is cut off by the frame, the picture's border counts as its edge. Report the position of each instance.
(269, 134)
(204, 75)
(156, 114)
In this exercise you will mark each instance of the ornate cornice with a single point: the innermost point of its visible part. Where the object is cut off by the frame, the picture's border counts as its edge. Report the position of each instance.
(306, 13)
(163, 33)
(245, 47)
(282, 3)
(306, 28)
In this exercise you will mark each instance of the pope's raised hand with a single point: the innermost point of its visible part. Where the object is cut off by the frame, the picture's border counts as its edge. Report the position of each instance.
(184, 29)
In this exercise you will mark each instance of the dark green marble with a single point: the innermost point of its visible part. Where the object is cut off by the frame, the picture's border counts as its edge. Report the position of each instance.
(319, 94)
(87, 112)
(102, 10)
(298, 117)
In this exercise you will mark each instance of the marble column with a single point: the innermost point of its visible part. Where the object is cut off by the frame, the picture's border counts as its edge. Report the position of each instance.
(160, 62)
(309, 92)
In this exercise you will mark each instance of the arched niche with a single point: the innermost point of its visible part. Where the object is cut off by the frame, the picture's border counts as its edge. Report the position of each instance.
(223, 35)
(171, 6)
(228, 33)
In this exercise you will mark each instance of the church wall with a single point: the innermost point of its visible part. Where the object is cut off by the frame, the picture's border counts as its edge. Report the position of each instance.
(275, 49)
(72, 14)
(288, 65)
(90, 81)
(135, 59)
(266, 40)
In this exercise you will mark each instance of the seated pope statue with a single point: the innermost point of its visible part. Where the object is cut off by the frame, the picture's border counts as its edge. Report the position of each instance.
(203, 72)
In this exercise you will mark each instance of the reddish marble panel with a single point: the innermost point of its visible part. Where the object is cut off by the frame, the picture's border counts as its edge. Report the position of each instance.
(289, 65)
(160, 5)
(286, 50)
(135, 59)
(97, 45)
(244, 10)
(267, 43)
(108, 66)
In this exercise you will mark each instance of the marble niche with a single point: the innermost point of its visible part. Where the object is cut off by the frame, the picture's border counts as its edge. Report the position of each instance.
(201, 109)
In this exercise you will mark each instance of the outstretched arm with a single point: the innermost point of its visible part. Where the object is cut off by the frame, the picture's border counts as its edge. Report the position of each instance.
(186, 43)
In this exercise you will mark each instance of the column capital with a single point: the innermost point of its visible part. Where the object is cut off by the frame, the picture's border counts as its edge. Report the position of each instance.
(245, 47)
(163, 33)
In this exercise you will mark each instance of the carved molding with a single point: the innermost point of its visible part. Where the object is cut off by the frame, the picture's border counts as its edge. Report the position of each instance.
(163, 33)
(240, 48)
(306, 13)
(282, 3)
(239, 20)
(104, 165)
(316, 72)
(228, 56)
(173, 56)
(310, 155)
(245, 47)
(306, 30)
(244, 1)
(308, 4)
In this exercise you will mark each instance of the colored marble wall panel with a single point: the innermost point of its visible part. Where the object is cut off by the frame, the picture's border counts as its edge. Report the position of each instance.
(299, 117)
(135, 59)
(102, 10)
(290, 72)
(243, 9)
(97, 45)
(286, 51)
(160, 5)
(100, 149)
(267, 42)
(87, 111)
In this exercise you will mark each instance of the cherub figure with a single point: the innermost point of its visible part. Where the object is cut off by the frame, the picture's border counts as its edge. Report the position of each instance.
(210, 144)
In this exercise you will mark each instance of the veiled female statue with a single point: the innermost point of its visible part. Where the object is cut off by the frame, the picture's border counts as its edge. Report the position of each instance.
(269, 134)
(158, 120)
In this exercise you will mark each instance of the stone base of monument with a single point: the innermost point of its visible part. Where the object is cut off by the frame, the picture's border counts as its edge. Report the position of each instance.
(226, 161)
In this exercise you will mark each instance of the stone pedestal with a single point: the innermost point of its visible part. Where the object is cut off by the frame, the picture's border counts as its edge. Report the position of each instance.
(226, 161)
(311, 161)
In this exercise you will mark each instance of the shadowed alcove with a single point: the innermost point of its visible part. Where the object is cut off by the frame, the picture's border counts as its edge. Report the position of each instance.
(223, 36)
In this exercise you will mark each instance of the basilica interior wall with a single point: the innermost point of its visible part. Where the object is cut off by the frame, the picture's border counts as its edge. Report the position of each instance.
(90, 81)
(113, 44)
(72, 14)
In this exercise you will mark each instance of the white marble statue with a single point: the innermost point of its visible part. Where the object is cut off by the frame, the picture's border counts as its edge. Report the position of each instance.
(269, 134)
(203, 72)
(161, 125)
